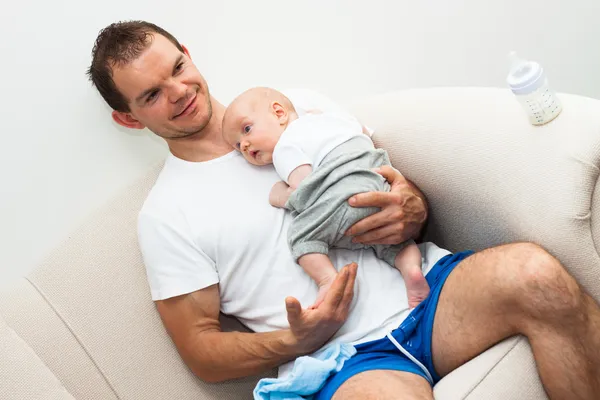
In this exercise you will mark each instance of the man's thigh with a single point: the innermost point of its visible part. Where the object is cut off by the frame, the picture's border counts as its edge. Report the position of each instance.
(384, 385)
(475, 310)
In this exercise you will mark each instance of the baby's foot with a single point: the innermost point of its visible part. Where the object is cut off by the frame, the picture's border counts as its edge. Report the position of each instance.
(417, 287)
(323, 289)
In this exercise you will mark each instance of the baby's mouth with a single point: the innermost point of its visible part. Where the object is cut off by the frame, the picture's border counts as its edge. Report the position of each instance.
(254, 153)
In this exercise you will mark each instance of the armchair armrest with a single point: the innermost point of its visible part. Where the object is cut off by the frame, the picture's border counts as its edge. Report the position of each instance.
(491, 177)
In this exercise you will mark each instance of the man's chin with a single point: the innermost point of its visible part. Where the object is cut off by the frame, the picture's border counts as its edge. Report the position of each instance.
(179, 135)
(187, 132)
(194, 130)
(201, 125)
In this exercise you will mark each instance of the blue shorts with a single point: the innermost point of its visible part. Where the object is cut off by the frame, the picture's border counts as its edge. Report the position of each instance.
(413, 336)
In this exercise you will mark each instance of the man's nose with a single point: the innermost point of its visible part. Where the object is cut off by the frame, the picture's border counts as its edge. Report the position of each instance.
(177, 91)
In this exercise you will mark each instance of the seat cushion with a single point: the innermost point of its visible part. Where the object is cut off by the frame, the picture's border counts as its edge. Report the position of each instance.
(506, 371)
(34, 320)
(22, 374)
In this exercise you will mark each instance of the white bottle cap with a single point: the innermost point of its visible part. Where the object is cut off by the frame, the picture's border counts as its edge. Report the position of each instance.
(524, 76)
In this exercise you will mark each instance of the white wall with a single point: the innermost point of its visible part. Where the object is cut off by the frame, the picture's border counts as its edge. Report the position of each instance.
(62, 156)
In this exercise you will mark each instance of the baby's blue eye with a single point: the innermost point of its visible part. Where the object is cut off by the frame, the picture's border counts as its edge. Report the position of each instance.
(237, 146)
(247, 128)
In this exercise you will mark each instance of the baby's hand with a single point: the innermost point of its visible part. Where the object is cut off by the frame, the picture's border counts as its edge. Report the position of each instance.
(280, 193)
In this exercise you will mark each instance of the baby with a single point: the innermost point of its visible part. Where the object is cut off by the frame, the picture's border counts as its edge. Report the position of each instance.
(323, 159)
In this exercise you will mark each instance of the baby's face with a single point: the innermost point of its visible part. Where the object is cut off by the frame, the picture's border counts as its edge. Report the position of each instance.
(252, 132)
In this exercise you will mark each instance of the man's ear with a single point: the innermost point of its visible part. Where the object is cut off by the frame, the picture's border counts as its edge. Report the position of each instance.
(186, 51)
(280, 112)
(126, 120)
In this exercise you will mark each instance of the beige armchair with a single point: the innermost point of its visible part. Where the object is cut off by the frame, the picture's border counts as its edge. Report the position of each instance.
(83, 326)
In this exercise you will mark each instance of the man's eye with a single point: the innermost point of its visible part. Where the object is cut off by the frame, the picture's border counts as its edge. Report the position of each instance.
(179, 67)
(152, 96)
(247, 128)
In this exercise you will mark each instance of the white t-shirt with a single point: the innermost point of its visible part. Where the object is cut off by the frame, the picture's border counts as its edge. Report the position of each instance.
(308, 139)
(210, 222)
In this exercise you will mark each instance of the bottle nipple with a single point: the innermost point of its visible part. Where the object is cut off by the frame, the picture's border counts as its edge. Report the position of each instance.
(518, 66)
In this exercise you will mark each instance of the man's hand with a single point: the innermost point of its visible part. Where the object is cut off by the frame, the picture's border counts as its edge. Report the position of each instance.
(311, 328)
(403, 212)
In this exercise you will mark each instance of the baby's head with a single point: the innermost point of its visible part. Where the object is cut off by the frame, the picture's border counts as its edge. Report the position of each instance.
(255, 120)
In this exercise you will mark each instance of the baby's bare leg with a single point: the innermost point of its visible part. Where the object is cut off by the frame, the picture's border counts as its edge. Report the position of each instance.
(319, 267)
(408, 262)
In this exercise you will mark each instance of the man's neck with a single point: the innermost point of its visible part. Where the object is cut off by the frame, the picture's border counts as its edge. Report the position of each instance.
(207, 144)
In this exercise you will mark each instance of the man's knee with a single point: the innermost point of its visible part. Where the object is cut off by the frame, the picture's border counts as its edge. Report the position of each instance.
(542, 286)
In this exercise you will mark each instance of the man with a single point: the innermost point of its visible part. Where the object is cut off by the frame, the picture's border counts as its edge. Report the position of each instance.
(211, 242)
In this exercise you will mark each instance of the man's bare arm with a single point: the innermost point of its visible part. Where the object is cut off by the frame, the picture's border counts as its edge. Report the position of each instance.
(192, 321)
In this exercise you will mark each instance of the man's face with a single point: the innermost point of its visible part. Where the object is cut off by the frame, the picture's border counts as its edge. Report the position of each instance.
(165, 92)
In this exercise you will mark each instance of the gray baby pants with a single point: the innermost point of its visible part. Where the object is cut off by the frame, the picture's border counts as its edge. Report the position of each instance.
(320, 203)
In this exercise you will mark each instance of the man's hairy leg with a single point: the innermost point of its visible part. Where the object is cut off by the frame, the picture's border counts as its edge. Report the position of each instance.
(521, 289)
(385, 385)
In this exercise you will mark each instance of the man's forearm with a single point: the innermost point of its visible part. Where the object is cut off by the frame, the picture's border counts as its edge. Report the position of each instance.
(217, 356)
(192, 321)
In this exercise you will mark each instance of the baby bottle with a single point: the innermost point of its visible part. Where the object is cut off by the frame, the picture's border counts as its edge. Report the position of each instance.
(528, 82)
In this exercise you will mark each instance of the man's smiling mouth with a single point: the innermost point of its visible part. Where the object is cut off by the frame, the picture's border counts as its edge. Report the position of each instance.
(187, 109)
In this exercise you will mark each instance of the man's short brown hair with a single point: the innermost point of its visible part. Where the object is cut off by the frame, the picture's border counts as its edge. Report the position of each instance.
(116, 45)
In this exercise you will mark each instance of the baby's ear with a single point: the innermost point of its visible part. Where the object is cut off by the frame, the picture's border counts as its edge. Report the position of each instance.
(280, 112)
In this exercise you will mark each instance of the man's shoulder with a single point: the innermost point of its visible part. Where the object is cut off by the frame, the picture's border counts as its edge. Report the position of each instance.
(164, 194)
(179, 182)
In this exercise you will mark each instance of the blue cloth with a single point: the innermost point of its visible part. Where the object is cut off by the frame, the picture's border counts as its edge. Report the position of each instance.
(308, 374)
(413, 334)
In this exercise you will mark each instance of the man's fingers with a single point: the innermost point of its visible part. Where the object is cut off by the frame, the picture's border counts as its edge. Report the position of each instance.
(367, 224)
(378, 199)
(293, 308)
(349, 290)
(376, 236)
(370, 199)
(389, 173)
(336, 291)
